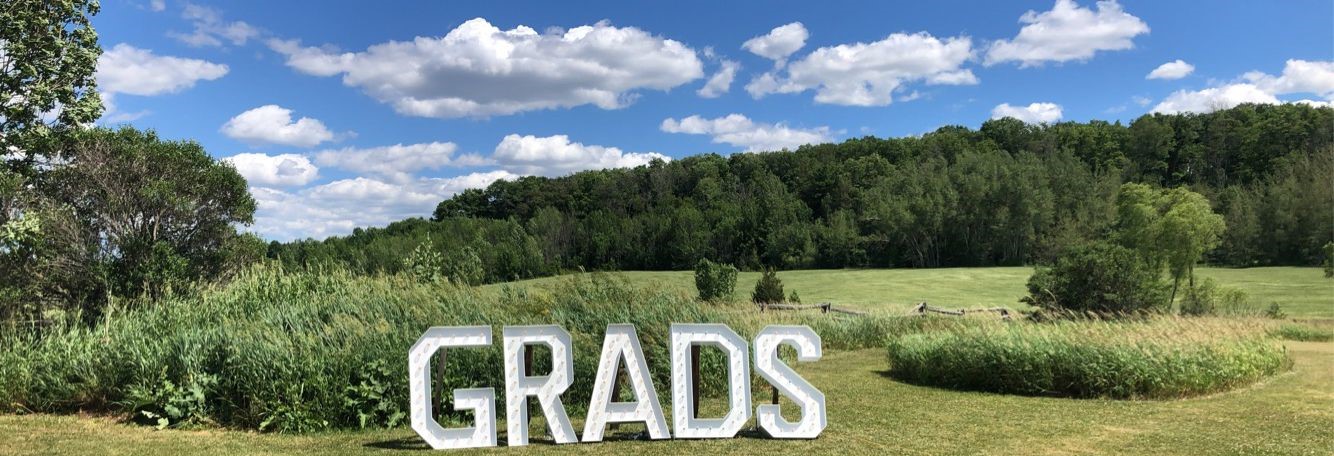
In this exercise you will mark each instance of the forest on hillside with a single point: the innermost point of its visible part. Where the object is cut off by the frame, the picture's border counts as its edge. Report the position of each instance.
(1008, 193)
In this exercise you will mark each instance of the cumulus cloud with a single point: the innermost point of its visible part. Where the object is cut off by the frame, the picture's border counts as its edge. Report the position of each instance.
(1068, 32)
(738, 130)
(398, 162)
(210, 29)
(779, 43)
(480, 70)
(337, 207)
(1213, 99)
(1036, 113)
(721, 81)
(286, 170)
(157, 5)
(556, 155)
(130, 70)
(273, 124)
(867, 74)
(1299, 76)
(1176, 69)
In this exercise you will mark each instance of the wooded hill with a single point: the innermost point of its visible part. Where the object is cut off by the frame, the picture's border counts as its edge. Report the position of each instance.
(1008, 193)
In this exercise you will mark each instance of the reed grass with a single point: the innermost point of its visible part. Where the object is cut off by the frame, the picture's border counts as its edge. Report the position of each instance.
(1151, 358)
(302, 351)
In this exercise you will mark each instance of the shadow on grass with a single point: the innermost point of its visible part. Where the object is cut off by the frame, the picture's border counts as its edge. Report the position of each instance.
(891, 375)
(416, 443)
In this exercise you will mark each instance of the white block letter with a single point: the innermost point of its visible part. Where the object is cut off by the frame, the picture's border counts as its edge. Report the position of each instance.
(548, 388)
(482, 401)
(811, 400)
(620, 342)
(738, 380)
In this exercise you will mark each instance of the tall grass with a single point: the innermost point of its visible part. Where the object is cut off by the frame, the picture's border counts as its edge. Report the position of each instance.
(1152, 359)
(1304, 333)
(303, 351)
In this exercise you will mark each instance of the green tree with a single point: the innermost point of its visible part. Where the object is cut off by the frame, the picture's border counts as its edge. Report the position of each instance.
(125, 213)
(1097, 277)
(154, 202)
(1170, 228)
(1189, 229)
(464, 267)
(769, 289)
(48, 55)
(714, 281)
(1328, 262)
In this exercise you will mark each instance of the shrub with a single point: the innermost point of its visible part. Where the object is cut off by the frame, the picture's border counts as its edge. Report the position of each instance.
(1304, 333)
(793, 298)
(464, 267)
(769, 289)
(1209, 298)
(1328, 261)
(714, 281)
(424, 263)
(1275, 311)
(1152, 359)
(1097, 277)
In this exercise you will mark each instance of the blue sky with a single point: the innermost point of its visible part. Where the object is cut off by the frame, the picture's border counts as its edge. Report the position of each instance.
(344, 114)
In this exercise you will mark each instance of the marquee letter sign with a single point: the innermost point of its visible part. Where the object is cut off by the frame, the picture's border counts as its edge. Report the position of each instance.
(620, 348)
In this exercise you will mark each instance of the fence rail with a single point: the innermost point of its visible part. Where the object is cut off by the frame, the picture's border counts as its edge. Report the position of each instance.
(823, 307)
(923, 308)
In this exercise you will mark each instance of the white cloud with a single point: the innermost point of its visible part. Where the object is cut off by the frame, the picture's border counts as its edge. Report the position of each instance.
(721, 81)
(1036, 113)
(867, 74)
(1176, 69)
(779, 43)
(556, 155)
(739, 131)
(1068, 32)
(1315, 103)
(397, 162)
(157, 5)
(286, 170)
(479, 70)
(273, 124)
(337, 207)
(1213, 99)
(130, 70)
(1299, 76)
(210, 29)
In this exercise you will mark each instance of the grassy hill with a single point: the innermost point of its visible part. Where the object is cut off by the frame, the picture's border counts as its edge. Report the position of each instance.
(1302, 292)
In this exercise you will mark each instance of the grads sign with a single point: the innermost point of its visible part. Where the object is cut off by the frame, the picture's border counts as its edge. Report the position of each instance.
(620, 347)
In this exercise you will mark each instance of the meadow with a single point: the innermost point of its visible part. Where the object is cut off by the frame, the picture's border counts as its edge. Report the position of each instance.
(869, 413)
(312, 355)
(1302, 292)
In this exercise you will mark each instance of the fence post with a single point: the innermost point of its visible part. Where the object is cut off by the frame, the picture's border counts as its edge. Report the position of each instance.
(694, 380)
(528, 370)
(437, 394)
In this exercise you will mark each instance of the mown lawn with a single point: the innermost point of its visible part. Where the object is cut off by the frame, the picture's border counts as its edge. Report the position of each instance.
(1302, 292)
(869, 413)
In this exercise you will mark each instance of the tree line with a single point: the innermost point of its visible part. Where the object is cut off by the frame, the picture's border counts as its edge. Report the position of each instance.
(1008, 193)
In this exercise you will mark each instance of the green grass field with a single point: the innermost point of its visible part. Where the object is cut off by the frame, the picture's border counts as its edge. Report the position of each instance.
(869, 413)
(1302, 292)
